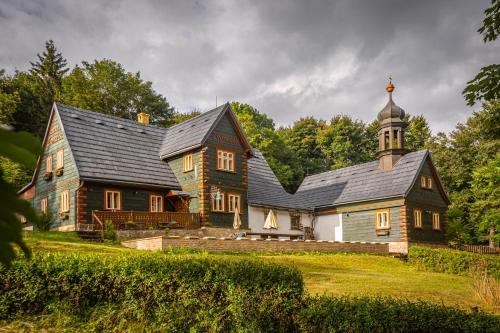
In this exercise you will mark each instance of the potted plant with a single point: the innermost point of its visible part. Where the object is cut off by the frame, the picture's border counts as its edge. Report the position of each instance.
(48, 176)
(59, 171)
(63, 215)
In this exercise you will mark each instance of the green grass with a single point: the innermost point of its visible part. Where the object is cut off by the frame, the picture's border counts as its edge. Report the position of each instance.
(332, 274)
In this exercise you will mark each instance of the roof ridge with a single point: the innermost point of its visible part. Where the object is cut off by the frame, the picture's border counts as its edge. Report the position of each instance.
(108, 116)
(198, 116)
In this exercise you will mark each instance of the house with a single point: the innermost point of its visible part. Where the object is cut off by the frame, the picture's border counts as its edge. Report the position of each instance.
(98, 167)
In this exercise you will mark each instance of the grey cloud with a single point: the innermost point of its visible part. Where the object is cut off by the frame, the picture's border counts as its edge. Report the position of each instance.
(288, 58)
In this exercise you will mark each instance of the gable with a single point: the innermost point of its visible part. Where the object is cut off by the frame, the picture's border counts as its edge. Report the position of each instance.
(435, 196)
(225, 134)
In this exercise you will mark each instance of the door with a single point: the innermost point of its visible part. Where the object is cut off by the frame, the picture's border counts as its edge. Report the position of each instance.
(328, 227)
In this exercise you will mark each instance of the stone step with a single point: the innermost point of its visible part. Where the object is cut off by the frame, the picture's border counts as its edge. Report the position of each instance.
(92, 236)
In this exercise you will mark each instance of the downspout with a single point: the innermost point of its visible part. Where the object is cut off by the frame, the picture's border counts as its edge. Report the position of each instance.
(77, 196)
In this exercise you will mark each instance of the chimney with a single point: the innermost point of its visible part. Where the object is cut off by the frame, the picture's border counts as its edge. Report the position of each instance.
(143, 118)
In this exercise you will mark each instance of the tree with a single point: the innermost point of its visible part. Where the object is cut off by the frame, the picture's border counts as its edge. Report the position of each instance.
(20, 147)
(8, 100)
(344, 142)
(486, 193)
(485, 85)
(417, 133)
(261, 133)
(179, 117)
(104, 86)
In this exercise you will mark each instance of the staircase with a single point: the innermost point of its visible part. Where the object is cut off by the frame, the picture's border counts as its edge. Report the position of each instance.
(88, 233)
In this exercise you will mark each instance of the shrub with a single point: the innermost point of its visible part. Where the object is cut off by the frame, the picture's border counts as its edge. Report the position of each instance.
(164, 291)
(44, 221)
(109, 230)
(454, 261)
(328, 314)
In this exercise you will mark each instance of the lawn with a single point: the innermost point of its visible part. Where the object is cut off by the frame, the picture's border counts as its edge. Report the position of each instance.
(333, 274)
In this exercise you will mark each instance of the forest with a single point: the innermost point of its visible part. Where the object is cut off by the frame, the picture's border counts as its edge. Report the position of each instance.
(467, 158)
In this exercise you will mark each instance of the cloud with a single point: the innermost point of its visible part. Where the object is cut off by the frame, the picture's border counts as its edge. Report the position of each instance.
(288, 58)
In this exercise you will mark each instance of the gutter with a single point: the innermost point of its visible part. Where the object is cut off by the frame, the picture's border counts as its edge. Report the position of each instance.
(101, 180)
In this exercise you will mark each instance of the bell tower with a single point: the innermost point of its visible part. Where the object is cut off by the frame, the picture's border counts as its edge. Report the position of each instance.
(390, 133)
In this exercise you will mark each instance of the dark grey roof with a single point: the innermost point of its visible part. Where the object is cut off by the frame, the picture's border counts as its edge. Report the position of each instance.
(191, 133)
(361, 182)
(115, 149)
(264, 188)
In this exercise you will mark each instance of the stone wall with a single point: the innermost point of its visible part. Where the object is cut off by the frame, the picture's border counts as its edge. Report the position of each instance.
(247, 245)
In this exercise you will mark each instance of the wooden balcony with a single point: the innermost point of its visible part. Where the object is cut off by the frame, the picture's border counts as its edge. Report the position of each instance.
(135, 220)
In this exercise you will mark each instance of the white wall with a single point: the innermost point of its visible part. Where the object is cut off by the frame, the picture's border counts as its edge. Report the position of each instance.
(328, 227)
(256, 221)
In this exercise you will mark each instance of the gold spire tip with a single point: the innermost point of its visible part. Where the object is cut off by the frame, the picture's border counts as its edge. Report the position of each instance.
(390, 86)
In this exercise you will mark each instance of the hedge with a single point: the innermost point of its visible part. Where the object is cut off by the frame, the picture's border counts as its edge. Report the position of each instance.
(454, 261)
(163, 293)
(173, 293)
(327, 314)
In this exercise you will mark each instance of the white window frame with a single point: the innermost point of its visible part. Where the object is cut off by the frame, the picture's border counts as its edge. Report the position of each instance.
(219, 205)
(436, 221)
(187, 163)
(48, 163)
(296, 215)
(64, 204)
(112, 204)
(44, 205)
(60, 158)
(417, 218)
(383, 219)
(225, 160)
(234, 200)
(155, 203)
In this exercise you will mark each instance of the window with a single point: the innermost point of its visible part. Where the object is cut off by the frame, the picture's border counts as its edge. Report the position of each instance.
(417, 218)
(295, 222)
(48, 163)
(395, 139)
(155, 203)
(112, 200)
(225, 160)
(219, 205)
(44, 204)
(65, 201)
(426, 182)
(436, 225)
(386, 140)
(383, 219)
(60, 159)
(234, 202)
(188, 163)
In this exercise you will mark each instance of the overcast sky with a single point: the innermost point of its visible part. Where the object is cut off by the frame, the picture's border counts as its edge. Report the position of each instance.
(287, 58)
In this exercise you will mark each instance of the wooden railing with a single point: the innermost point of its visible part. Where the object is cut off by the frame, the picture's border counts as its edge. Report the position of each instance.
(123, 220)
(482, 249)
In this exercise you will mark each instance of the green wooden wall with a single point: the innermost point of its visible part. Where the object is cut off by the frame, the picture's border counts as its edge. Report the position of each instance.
(133, 198)
(428, 201)
(225, 136)
(188, 180)
(360, 226)
(68, 181)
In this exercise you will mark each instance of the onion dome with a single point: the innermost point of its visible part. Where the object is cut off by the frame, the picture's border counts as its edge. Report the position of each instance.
(391, 110)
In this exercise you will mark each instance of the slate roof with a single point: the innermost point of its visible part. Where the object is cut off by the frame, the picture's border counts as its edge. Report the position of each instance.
(193, 132)
(115, 149)
(264, 188)
(361, 182)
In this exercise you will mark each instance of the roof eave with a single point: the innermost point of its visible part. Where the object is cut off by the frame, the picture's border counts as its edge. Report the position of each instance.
(105, 180)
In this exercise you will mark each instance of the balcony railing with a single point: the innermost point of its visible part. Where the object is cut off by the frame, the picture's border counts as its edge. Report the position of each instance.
(129, 220)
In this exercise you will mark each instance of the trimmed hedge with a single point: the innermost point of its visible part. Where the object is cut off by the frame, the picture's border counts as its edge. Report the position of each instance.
(454, 261)
(156, 292)
(327, 314)
(169, 292)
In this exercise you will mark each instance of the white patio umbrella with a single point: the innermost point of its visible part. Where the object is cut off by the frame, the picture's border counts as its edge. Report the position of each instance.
(271, 222)
(237, 219)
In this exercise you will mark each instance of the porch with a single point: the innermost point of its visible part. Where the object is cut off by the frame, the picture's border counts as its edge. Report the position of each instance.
(139, 220)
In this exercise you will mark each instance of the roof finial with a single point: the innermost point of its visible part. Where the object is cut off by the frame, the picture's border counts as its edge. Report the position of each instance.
(390, 86)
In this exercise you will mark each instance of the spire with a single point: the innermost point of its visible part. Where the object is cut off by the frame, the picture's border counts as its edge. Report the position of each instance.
(390, 111)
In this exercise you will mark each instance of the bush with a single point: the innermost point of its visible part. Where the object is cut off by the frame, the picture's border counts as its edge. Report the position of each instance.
(327, 314)
(44, 222)
(109, 231)
(163, 291)
(454, 261)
